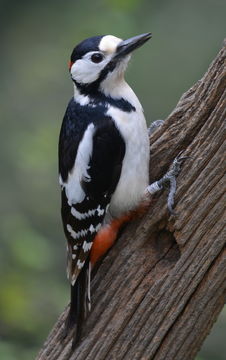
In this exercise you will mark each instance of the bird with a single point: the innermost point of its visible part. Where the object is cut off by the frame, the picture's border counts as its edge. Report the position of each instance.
(103, 161)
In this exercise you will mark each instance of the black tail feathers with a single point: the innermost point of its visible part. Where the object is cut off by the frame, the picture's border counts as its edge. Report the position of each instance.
(78, 306)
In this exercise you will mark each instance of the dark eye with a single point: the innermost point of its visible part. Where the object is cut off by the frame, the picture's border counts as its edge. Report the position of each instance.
(97, 58)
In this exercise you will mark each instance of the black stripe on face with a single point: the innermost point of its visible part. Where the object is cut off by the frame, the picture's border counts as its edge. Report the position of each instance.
(92, 88)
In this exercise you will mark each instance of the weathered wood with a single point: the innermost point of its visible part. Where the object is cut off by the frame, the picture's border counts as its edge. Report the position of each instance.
(161, 287)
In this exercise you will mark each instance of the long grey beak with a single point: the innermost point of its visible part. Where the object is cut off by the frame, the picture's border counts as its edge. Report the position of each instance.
(127, 46)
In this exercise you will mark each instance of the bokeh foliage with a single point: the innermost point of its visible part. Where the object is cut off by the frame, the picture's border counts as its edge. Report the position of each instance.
(37, 38)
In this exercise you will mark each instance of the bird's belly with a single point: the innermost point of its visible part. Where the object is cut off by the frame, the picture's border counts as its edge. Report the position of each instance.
(135, 169)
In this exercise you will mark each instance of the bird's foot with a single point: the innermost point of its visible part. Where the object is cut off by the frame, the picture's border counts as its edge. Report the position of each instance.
(154, 126)
(169, 179)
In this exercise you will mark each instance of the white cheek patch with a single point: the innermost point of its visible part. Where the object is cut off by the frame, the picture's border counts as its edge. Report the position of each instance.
(109, 44)
(84, 72)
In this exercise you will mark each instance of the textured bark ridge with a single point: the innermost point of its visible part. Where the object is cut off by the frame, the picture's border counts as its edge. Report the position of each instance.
(160, 289)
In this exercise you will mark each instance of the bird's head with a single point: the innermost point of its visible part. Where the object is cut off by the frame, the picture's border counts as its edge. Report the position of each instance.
(101, 60)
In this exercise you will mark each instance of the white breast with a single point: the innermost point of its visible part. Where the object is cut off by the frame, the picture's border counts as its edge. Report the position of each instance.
(135, 170)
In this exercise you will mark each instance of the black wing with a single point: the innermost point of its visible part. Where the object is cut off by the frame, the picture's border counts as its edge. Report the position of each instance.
(82, 219)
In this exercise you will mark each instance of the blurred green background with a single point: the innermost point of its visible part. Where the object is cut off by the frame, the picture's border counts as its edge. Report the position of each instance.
(37, 39)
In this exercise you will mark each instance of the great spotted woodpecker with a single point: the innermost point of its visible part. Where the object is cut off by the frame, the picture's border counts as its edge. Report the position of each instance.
(103, 159)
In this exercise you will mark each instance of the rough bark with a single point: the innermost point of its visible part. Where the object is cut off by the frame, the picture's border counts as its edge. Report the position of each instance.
(161, 287)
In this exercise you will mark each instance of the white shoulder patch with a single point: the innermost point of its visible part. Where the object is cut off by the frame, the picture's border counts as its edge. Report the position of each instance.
(73, 189)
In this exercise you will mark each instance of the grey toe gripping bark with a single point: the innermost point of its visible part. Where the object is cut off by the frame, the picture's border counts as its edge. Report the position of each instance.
(169, 179)
(154, 126)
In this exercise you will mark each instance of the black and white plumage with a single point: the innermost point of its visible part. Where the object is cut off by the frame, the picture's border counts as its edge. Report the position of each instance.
(103, 154)
(90, 161)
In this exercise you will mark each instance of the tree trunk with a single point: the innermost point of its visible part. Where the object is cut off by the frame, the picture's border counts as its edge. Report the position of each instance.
(159, 290)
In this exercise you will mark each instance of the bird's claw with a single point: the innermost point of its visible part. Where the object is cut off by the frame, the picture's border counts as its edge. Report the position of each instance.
(169, 179)
(175, 167)
(154, 126)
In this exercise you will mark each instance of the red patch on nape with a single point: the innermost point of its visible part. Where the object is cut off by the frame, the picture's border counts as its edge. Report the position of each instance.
(70, 63)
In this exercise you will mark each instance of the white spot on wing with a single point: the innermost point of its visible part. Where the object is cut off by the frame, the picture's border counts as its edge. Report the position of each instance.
(100, 211)
(74, 234)
(70, 230)
(92, 229)
(81, 216)
(80, 264)
(78, 234)
(77, 214)
(87, 246)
